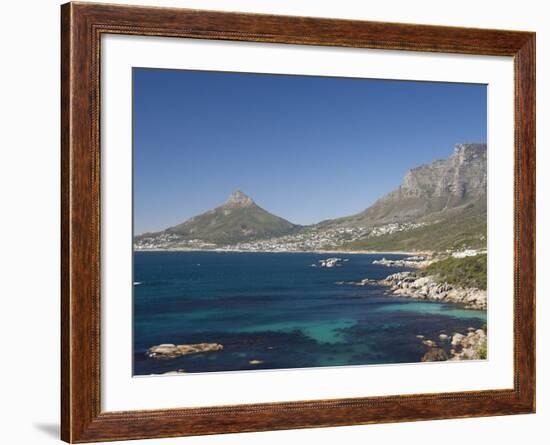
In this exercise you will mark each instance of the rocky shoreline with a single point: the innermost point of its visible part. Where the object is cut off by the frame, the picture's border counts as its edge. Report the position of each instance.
(448, 346)
(408, 284)
(470, 346)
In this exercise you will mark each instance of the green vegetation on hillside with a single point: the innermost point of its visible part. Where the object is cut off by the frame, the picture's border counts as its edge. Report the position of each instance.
(234, 224)
(466, 230)
(463, 272)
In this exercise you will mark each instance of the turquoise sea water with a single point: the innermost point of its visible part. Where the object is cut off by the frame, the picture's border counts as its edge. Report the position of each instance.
(278, 309)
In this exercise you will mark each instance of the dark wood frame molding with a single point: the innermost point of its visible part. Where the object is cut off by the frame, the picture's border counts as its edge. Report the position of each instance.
(82, 25)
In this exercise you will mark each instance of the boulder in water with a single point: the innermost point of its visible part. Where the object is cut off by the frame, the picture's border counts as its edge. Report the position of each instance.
(435, 355)
(169, 350)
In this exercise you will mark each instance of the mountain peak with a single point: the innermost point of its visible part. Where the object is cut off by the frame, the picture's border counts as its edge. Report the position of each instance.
(239, 199)
(238, 219)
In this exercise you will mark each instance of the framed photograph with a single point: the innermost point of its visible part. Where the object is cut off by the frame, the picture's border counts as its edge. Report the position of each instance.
(274, 222)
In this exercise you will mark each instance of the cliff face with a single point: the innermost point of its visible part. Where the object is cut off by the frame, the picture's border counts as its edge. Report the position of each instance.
(432, 190)
(462, 175)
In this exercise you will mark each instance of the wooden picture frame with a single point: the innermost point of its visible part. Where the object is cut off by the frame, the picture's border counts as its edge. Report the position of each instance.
(82, 25)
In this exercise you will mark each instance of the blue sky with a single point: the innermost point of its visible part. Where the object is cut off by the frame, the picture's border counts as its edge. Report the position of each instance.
(304, 148)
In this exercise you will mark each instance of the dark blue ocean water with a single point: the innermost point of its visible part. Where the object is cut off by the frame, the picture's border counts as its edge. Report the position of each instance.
(277, 309)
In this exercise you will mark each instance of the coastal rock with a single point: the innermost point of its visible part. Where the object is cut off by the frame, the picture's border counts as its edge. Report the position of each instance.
(176, 372)
(457, 338)
(330, 262)
(472, 346)
(366, 281)
(408, 284)
(363, 282)
(399, 276)
(169, 350)
(435, 355)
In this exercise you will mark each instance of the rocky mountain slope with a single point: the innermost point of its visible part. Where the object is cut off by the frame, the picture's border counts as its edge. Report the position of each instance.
(448, 199)
(429, 192)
